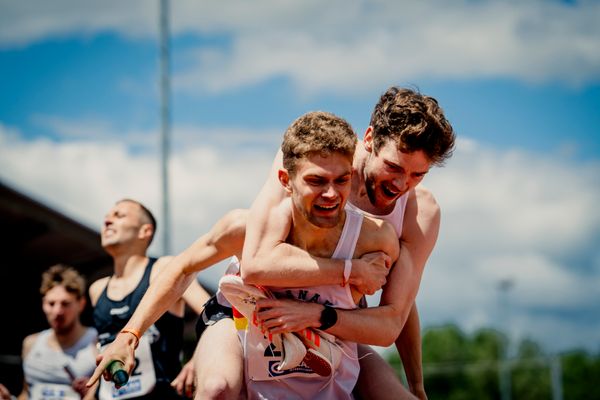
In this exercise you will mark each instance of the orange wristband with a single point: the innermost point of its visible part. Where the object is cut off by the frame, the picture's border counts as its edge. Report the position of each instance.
(135, 333)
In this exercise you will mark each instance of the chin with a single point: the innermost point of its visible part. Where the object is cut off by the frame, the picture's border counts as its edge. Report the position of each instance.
(385, 201)
(325, 222)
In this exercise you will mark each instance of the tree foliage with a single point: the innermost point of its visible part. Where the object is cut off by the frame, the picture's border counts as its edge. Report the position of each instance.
(458, 366)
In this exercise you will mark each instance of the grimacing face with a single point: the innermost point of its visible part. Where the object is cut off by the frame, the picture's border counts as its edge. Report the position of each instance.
(122, 224)
(391, 173)
(320, 187)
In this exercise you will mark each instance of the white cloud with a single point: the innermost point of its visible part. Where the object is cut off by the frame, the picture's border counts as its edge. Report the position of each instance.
(525, 217)
(338, 46)
(504, 215)
(84, 178)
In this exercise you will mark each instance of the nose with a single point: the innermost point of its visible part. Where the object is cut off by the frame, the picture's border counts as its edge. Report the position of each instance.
(58, 310)
(401, 184)
(330, 192)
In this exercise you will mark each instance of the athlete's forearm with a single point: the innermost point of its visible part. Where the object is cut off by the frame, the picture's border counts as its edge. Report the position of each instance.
(289, 266)
(163, 292)
(375, 325)
(223, 240)
(409, 348)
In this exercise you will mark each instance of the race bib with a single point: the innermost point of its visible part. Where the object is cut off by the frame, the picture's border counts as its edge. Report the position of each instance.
(142, 379)
(53, 391)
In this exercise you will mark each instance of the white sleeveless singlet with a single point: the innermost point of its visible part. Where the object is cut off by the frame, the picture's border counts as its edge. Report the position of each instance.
(263, 381)
(396, 217)
(45, 369)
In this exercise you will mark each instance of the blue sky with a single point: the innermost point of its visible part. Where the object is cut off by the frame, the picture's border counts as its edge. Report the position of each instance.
(519, 81)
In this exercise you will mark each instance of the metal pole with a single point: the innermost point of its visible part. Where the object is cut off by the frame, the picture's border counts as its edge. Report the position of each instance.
(165, 124)
(556, 376)
(504, 365)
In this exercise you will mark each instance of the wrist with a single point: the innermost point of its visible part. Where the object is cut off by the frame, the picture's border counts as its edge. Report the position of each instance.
(354, 277)
(347, 272)
(133, 336)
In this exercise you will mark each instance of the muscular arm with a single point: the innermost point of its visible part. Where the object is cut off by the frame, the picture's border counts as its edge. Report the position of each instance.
(268, 260)
(419, 236)
(222, 241)
(420, 231)
(409, 348)
(196, 296)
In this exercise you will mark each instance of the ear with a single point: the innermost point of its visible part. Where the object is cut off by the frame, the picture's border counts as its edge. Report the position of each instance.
(82, 302)
(284, 179)
(145, 231)
(368, 139)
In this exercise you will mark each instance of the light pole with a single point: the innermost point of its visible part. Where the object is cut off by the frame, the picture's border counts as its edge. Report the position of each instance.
(165, 124)
(504, 371)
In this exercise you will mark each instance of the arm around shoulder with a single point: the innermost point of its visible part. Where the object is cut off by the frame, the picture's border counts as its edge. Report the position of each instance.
(419, 235)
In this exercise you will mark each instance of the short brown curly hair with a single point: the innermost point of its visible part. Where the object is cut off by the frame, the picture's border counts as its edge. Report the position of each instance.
(63, 275)
(317, 132)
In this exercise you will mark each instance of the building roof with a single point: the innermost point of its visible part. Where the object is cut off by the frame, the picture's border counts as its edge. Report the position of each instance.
(33, 237)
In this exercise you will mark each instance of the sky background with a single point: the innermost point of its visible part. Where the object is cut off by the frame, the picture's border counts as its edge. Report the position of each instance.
(519, 81)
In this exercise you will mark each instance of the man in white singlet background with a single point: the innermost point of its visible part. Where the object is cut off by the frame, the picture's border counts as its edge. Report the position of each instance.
(57, 362)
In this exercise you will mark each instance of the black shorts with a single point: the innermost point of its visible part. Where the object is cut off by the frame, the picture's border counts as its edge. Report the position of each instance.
(212, 313)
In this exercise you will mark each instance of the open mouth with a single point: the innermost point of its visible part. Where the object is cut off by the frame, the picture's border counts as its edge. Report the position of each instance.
(388, 191)
(107, 232)
(327, 208)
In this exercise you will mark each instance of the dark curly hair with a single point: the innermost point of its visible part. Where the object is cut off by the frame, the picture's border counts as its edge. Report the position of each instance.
(415, 122)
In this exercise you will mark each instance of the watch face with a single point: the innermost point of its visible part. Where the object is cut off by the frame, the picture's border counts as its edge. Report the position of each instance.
(328, 317)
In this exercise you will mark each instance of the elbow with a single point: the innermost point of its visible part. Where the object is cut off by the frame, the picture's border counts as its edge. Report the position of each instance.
(249, 273)
(387, 336)
(387, 339)
(391, 332)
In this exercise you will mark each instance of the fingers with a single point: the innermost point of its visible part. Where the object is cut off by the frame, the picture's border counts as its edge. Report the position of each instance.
(388, 260)
(184, 383)
(178, 384)
(262, 304)
(98, 371)
(189, 386)
(4, 393)
(101, 369)
(79, 386)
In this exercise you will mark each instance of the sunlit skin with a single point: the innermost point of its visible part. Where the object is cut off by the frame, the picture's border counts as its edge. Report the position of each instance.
(62, 309)
(319, 187)
(122, 225)
(386, 175)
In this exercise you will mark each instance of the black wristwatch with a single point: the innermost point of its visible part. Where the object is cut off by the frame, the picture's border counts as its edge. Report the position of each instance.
(328, 318)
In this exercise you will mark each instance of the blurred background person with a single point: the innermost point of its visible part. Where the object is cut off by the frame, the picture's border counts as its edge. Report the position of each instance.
(127, 232)
(58, 361)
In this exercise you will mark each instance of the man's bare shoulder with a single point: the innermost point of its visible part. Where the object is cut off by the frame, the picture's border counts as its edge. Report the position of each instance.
(378, 235)
(423, 199)
(375, 226)
(96, 289)
(421, 218)
(28, 343)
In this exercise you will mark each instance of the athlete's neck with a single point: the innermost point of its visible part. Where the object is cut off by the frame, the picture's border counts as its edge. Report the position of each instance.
(320, 242)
